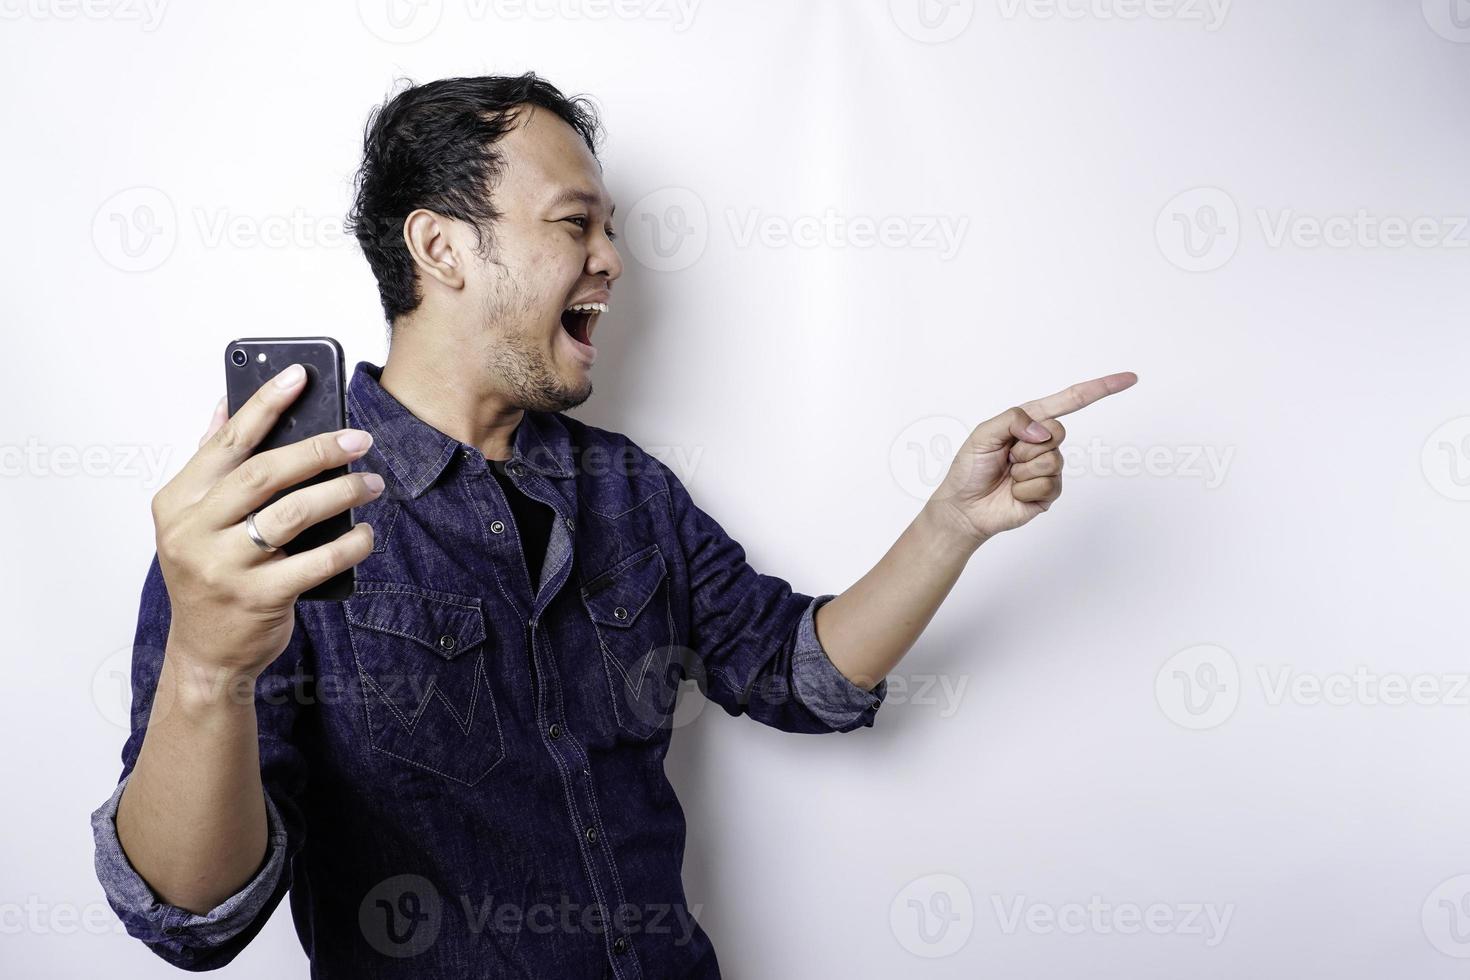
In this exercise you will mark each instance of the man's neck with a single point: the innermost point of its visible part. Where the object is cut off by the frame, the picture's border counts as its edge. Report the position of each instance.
(443, 389)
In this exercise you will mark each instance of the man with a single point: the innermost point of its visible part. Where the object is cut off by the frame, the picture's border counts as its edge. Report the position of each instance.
(459, 770)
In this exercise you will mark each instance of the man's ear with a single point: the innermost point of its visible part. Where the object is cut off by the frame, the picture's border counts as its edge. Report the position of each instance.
(434, 243)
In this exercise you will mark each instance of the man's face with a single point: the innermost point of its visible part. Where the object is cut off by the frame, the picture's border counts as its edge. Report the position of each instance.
(551, 248)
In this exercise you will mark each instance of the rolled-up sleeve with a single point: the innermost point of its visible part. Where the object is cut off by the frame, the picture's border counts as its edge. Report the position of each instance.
(153, 921)
(753, 638)
(824, 689)
(184, 938)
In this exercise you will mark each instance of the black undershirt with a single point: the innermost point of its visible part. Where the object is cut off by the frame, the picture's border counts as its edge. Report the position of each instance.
(532, 520)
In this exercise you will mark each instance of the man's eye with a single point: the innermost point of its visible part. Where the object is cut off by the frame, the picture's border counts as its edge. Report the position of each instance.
(581, 222)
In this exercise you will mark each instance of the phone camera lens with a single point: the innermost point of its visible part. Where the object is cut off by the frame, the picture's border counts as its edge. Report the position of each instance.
(238, 357)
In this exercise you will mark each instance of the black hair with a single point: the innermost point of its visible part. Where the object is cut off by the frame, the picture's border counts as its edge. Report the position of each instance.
(433, 146)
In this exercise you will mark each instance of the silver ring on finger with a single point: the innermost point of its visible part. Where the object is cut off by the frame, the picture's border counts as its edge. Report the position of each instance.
(254, 533)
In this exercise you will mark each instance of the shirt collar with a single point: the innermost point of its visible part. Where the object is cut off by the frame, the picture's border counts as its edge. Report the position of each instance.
(417, 452)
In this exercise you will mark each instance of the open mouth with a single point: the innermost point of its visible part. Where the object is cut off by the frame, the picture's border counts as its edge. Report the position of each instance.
(578, 320)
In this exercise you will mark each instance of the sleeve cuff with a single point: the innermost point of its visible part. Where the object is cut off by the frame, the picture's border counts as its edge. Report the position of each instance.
(826, 692)
(152, 921)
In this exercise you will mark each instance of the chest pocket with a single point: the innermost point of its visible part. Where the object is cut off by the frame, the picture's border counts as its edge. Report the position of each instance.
(421, 657)
(629, 604)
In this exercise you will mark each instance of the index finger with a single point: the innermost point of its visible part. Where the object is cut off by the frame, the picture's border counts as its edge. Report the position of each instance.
(1079, 396)
(234, 441)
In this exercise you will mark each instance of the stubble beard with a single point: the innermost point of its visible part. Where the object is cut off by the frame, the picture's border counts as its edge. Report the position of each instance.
(523, 367)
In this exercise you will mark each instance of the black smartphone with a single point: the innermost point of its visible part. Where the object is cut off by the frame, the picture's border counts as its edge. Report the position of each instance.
(320, 407)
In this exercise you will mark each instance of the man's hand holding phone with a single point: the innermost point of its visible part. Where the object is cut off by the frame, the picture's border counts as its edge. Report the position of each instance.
(233, 602)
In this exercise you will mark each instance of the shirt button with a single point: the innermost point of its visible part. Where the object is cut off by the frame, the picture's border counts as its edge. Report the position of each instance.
(592, 835)
(515, 469)
(620, 614)
(497, 527)
(554, 731)
(620, 945)
(447, 643)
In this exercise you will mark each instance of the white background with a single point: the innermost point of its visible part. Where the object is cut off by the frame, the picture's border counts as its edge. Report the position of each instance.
(1047, 742)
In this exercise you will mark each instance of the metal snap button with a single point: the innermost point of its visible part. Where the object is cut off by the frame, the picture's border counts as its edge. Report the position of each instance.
(447, 642)
(554, 731)
(496, 527)
(620, 614)
(620, 945)
(592, 835)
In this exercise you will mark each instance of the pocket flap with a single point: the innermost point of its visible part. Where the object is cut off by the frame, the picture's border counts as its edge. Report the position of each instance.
(618, 595)
(443, 622)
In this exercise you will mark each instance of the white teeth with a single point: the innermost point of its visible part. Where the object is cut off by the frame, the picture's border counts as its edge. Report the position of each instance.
(589, 307)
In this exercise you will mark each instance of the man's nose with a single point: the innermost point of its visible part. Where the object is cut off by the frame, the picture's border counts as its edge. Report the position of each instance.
(604, 260)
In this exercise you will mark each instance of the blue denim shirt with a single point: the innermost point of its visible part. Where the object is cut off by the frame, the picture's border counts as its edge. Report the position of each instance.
(464, 771)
